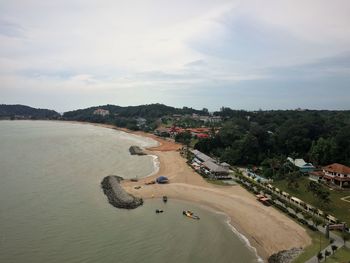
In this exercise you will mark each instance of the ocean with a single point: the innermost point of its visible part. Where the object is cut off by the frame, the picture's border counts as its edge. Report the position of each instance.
(52, 208)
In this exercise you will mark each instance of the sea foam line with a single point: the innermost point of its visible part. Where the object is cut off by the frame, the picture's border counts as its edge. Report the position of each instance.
(156, 164)
(241, 236)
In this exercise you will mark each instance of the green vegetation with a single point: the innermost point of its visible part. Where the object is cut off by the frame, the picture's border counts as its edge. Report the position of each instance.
(314, 248)
(337, 207)
(341, 255)
(216, 182)
(321, 137)
(26, 112)
(150, 111)
(127, 116)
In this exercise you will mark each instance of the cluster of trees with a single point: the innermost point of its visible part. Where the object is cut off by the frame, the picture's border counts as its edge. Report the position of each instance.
(319, 191)
(184, 137)
(22, 111)
(321, 137)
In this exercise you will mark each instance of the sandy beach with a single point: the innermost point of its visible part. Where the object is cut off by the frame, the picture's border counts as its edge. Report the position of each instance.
(268, 230)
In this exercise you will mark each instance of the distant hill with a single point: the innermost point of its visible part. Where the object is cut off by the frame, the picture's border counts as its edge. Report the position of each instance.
(26, 112)
(149, 111)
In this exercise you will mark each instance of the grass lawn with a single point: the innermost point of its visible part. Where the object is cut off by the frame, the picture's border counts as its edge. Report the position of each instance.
(217, 182)
(314, 248)
(340, 256)
(339, 208)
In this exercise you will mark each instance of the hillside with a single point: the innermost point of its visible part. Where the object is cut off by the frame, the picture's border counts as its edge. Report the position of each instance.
(26, 112)
(149, 111)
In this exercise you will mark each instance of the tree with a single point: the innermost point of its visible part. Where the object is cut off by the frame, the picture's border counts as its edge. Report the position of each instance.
(345, 236)
(326, 254)
(323, 151)
(319, 256)
(334, 248)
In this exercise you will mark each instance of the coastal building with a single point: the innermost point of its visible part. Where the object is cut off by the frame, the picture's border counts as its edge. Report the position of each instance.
(337, 174)
(303, 166)
(210, 119)
(209, 167)
(216, 171)
(201, 157)
(101, 112)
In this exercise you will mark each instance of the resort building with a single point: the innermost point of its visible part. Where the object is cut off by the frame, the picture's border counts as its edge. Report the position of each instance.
(101, 112)
(209, 167)
(216, 171)
(303, 166)
(337, 174)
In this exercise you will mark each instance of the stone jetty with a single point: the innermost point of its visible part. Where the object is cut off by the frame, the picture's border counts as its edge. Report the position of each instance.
(116, 195)
(135, 150)
(285, 256)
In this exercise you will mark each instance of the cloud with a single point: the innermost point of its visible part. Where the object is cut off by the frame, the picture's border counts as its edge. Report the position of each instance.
(117, 50)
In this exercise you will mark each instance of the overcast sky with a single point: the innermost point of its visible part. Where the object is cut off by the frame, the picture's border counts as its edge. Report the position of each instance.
(268, 54)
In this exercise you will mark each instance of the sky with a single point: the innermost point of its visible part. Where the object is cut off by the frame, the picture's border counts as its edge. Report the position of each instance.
(243, 54)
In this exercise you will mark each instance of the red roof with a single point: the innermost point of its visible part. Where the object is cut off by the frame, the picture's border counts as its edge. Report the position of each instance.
(337, 168)
(202, 135)
(198, 130)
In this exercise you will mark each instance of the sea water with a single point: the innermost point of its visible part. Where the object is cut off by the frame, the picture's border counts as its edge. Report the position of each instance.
(52, 208)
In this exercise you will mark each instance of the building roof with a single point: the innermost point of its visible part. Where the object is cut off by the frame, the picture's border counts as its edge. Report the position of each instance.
(201, 156)
(202, 135)
(213, 167)
(300, 163)
(337, 168)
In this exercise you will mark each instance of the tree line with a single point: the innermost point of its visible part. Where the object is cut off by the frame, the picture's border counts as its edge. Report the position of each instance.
(268, 137)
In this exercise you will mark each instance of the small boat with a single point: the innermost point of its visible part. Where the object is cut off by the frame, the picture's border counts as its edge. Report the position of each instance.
(159, 211)
(190, 214)
(165, 199)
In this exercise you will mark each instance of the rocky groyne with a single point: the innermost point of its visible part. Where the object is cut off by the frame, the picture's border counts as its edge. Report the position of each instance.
(116, 195)
(135, 150)
(285, 256)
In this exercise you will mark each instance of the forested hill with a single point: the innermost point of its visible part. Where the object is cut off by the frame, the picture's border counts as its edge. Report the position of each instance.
(321, 137)
(26, 112)
(149, 111)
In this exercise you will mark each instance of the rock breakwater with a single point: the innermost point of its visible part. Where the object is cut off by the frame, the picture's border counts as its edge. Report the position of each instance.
(135, 150)
(116, 195)
(285, 256)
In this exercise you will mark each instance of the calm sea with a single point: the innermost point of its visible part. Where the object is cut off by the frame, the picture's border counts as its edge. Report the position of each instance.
(52, 208)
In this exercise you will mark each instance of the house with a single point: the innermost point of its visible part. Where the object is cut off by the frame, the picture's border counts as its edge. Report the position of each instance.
(303, 166)
(101, 112)
(337, 174)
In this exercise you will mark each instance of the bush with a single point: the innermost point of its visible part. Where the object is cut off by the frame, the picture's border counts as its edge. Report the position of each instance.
(292, 215)
(303, 221)
(313, 228)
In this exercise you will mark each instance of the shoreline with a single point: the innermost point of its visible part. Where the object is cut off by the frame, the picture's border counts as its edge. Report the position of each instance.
(267, 230)
(240, 207)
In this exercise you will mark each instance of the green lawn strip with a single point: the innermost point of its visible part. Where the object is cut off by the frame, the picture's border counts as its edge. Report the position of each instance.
(337, 207)
(341, 255)
(217, 182)
(314, 248)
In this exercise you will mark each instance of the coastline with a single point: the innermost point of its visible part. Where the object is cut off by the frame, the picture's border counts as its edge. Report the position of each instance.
(267, 230)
